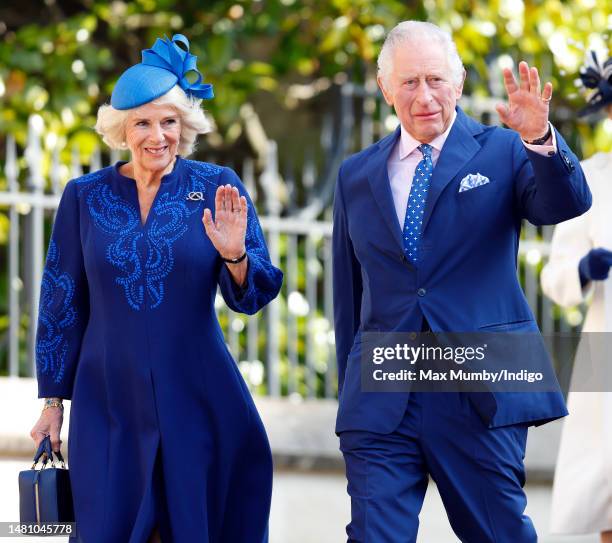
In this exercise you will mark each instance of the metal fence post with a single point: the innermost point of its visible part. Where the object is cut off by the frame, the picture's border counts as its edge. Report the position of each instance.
(14, 282)
(35, 250)
(269, 181)
(360, 118)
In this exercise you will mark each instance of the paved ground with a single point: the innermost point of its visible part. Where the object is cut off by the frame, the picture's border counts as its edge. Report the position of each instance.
(310, 507)
(300, 431)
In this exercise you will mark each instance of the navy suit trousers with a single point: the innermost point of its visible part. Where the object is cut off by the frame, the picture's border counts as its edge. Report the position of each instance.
(479, 473)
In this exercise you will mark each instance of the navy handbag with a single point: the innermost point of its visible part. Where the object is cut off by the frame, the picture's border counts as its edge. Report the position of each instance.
(45, 494)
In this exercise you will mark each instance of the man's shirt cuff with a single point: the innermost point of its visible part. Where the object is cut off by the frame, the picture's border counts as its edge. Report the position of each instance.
(548, 149)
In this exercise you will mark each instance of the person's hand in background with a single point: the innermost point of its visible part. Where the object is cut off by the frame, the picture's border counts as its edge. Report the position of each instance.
(595, 265)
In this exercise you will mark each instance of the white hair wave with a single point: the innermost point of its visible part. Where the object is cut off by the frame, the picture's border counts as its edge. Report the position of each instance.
(111, 122)
(415, 33)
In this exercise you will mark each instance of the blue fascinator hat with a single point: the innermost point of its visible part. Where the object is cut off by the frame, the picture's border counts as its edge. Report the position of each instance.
(163, 66)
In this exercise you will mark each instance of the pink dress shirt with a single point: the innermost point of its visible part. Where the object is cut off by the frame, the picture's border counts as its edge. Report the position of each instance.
(405, 157)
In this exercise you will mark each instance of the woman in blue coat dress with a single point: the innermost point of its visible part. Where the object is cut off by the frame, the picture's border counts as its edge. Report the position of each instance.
(165, 440)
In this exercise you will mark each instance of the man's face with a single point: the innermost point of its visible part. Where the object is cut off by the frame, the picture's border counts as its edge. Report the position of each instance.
(421, 89)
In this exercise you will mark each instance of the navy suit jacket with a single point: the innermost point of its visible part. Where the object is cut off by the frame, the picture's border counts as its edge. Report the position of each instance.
(466, 279)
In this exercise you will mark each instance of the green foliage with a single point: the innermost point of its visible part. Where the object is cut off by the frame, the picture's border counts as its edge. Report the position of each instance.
(61, 60)
(553, 35)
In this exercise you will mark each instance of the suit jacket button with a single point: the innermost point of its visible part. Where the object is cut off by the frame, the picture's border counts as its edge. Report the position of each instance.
(412, 336)
(421, 292)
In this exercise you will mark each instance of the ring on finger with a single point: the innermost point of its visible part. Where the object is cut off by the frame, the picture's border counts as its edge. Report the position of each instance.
(546, 100)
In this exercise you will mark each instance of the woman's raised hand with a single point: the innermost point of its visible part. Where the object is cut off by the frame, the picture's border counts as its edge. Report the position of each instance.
(227, 232)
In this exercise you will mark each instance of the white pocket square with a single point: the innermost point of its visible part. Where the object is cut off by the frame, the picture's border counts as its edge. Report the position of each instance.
(472, 180)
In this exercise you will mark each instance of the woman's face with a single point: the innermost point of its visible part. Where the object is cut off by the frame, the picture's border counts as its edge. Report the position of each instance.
(152, 135)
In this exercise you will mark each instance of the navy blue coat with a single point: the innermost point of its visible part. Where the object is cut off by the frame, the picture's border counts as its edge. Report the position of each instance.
(163, 429)
(466, 278)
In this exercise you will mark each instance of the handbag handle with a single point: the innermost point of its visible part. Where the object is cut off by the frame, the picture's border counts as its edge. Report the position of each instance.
(45, 452)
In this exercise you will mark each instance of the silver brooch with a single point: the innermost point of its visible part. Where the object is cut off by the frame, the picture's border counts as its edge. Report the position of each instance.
(195, 196)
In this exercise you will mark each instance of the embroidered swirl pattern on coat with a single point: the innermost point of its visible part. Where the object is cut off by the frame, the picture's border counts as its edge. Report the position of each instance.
(56, 315)
(144, 266)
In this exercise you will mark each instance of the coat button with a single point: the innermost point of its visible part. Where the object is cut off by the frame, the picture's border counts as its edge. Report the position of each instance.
(421, 292)
(412, 336)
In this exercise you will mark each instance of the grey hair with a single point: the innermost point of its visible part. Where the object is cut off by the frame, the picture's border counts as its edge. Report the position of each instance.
(420, 32)
(111, 122)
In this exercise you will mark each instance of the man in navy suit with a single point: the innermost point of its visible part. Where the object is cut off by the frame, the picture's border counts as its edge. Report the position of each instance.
(426, 232)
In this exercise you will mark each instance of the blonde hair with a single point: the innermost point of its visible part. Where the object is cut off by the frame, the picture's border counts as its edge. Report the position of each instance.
(111, 122)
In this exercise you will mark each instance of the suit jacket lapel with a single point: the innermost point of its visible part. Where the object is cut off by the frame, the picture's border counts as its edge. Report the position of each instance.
(378, 178)
(458, 150)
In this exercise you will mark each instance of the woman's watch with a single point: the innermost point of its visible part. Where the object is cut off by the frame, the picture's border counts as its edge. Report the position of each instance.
(235, 260)
(53, 402)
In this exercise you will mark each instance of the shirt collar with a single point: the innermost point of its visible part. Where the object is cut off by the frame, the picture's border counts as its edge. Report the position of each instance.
(408, 144)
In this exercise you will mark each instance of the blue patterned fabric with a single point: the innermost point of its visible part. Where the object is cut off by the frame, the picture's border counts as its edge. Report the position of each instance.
(471, 181)
(128, 331)
(416, 203)
(142, 272)
(56, 315)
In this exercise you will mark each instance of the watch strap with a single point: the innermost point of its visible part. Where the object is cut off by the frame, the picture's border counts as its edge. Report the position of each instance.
(542, 140)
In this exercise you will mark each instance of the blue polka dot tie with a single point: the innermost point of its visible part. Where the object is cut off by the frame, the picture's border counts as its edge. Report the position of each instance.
(416, 204)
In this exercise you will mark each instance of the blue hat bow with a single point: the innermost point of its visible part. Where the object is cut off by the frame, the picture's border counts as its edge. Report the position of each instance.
(168, 55)
(163, 66)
